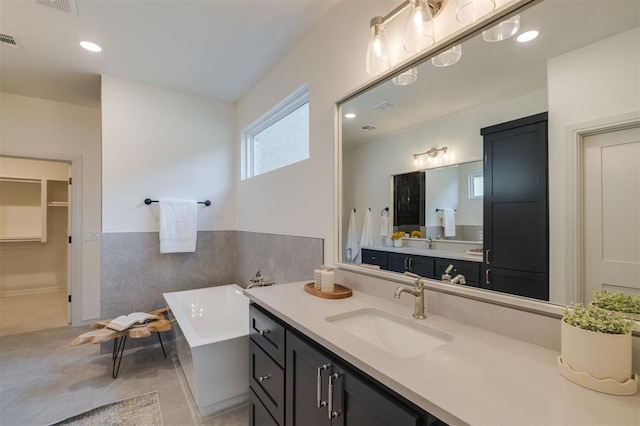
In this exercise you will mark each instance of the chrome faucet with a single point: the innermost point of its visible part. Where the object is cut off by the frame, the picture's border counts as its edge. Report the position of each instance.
(446, 277)
(417, 291)
(429, 243)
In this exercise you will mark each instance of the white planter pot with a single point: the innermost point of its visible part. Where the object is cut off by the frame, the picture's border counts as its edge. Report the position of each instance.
(397, 243)
(603, 356)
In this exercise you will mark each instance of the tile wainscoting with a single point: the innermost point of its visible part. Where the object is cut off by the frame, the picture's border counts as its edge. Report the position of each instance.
(135, 274)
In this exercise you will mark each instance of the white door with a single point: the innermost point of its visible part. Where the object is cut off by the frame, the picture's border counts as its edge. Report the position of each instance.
(612, 212)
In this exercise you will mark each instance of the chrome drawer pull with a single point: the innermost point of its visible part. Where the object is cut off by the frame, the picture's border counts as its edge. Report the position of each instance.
(320, 402)
(263, 378)
(263, 332)
(332, 414)
(487, 257)
(486, 276)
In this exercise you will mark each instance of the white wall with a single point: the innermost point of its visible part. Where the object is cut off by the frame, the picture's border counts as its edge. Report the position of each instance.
(300, 199)
(160, 143)
(367, 167)
(594, 83)
(42, 128)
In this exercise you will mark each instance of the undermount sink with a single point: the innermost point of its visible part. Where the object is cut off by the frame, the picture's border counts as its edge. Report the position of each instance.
(401, 337)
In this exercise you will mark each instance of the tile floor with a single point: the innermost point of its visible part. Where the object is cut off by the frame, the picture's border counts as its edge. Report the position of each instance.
(46, 310)
(43, 379)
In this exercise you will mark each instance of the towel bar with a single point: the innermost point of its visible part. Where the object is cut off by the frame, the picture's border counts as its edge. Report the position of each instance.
(148, 201)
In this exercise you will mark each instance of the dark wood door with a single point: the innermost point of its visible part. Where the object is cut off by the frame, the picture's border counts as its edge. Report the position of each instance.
(516, 235)
(304, 365)
(408, 200)
(359, 403)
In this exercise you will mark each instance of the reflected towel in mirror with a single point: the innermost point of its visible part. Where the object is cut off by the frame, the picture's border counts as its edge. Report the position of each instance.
(352, 251)
(449, 222)
(366, 240)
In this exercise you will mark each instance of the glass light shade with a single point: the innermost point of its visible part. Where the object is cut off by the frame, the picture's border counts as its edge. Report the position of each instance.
(448, 57)
(469, 11)
(377, 52)
(408, 77)
(419, 33)
(503, 30)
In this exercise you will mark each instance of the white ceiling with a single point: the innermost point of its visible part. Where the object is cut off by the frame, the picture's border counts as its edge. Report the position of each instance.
(488, 72)
(214, 48)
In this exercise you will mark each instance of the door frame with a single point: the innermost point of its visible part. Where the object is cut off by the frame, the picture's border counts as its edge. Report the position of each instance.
(574, 214)
(74, 273)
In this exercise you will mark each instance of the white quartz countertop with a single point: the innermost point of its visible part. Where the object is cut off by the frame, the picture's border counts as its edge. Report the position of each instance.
(479, 378)
(445, 254)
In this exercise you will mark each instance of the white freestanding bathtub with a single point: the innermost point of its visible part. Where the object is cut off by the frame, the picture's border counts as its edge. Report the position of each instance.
(211, 338)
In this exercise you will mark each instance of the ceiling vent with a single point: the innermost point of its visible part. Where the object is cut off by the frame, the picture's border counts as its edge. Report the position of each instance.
(65, 6)
(384, 105)
(9, 40)
(368, 128)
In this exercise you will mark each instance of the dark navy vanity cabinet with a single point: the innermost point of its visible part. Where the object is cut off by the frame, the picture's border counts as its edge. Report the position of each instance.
(316, 387)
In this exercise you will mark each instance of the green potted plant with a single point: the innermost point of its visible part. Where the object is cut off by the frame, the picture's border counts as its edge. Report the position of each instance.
(619, 302)
(597, 348)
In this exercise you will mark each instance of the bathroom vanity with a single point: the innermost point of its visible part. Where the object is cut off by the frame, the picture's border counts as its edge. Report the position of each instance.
(452, 374)
(426, 263)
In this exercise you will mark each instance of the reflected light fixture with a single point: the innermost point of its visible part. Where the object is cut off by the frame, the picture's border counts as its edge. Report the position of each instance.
(469, 11)
(432, 155)
(408, 77)
(419, 33)
(350, 115)
(448, 57)
(503, 30)
(527, 36)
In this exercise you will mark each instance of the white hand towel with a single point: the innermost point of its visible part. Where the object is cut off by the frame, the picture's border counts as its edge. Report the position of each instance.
(449, 222)
(384, 226)
(366, 240)
(178, 226)
(352, 251)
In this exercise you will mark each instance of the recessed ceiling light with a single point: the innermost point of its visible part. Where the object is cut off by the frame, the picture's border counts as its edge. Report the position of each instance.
(90, 46)
(528, 36)
(350, 115)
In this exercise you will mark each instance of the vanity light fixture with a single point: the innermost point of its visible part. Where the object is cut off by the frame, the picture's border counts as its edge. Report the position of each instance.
(432, 153)
(527, 36)
(470, 11)
(408, 77)
(91, 46)
(419, 33)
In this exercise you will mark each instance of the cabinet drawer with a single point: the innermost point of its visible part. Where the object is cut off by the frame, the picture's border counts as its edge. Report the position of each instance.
(267, 332)
(266, 379)
(375, 257)
(258, 414)
(470, 270)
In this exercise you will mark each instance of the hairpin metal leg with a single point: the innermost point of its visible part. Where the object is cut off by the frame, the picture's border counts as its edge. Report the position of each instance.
(118, 350)
(161, 345)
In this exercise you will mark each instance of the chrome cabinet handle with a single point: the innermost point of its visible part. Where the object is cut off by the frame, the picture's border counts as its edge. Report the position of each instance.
(411, 263)
(320, 402)
(406, 259)
(332, 414)
(263, 378)
(263, 332)
(487, 257)
(486, 276)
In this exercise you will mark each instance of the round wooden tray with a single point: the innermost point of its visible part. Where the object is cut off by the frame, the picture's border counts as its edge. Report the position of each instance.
(339, 291)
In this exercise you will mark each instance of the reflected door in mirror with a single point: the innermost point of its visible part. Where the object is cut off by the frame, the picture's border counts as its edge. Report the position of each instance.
(408, 201)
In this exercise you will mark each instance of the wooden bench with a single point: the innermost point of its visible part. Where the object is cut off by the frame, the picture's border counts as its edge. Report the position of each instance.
(103, 334)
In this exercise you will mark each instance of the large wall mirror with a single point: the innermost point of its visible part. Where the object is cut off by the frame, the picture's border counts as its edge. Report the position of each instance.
(583, 69)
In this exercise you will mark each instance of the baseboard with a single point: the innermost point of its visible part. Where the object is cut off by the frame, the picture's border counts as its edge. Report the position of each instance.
(15, 293)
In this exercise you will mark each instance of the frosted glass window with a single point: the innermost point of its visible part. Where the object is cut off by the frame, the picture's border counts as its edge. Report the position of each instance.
(476, 185)
(279, 138)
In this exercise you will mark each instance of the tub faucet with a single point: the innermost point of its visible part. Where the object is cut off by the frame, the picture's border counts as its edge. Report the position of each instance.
(259, 281)
(417, 291)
